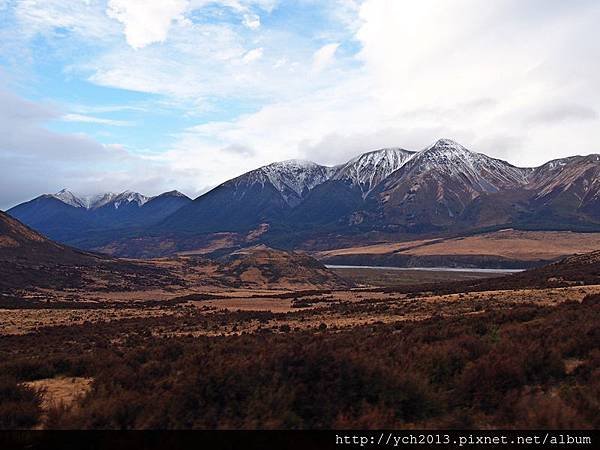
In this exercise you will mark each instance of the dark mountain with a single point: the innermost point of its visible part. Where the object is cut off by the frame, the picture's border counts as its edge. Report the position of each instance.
(67, 218)
(27, 258)
(243, 203)
(53, 217)
(131, 209)
(343, 200)
(19, 243)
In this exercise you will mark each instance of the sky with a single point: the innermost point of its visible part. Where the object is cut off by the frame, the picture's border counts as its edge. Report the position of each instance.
(118, 95)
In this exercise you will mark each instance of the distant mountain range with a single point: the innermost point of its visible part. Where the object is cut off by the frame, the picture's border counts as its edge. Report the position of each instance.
(72, 219)
(442, 188)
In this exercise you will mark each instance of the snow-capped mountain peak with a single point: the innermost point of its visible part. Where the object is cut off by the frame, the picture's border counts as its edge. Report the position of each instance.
(448, 149)
(173, 193)
(292, 178)
(128, 197)
(369, 169)
(69, 198)
(100, 200)
(447, 158)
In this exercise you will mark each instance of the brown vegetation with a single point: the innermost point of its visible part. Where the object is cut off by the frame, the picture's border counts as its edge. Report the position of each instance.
(502, 368)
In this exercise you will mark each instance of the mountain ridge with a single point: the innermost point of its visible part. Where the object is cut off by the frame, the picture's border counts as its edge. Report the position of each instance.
(443, 187)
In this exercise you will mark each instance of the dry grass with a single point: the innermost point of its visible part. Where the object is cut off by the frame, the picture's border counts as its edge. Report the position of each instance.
(23, 321)
(61, 390)
(512, 244)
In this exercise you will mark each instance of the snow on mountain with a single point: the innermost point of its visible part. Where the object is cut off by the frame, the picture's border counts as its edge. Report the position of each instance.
(578, 174)
(169, 194)
(447, 158)
(370, 169)
(128, 197)
(100, 200)
(69, 198)
(292, 178)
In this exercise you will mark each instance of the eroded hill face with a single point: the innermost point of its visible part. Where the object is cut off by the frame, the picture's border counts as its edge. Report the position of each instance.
(262, 266)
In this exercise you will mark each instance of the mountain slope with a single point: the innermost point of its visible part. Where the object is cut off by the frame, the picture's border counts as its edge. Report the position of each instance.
(342, 200)
(53, 217)
(243, 203)
(437, 184)
(369, 169)
(29, 259)
(567, 188)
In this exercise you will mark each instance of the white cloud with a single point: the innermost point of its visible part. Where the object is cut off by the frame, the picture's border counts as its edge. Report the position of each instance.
(146, 22)
(324, 56)
(98, 120)
(87, 19)
(252, 21)
(495, 78)
(253, 55)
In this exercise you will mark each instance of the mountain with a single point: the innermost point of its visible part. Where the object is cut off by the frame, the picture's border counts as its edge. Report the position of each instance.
(340, 200)
(68, 218)
(27, 258)
(53, 217)
(434, 187)
(561, 194)
(243, 203)
(20, 243)
(444, 188)
(70, 199)
(369, 169)
(567, 188)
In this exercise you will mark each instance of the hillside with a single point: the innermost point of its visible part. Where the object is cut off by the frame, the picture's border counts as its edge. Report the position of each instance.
(263, 267)
(572, 271)
(30, 262)
(19, 243)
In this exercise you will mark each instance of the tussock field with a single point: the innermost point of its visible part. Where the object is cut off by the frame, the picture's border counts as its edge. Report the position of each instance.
(485, 361)
(497, 249)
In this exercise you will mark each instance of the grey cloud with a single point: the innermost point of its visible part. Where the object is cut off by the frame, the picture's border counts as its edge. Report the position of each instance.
(560, 113)
(500, 146)
(241, 150)
(336, 149)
